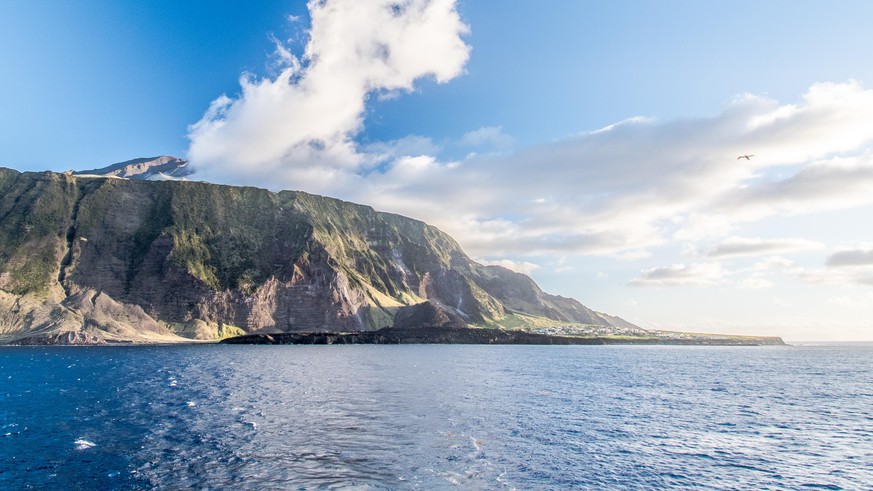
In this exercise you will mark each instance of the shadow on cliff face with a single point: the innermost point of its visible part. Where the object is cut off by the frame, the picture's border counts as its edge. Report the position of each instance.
(427, 314)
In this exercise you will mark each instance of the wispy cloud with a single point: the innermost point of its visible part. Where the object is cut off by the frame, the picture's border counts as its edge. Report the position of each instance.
(747, 246)
(491, 138)
(618, 191)
(822, 185)
(412, 145)
(839, 276)
(755, 283)
(842, 268)
(640, 184)
(695, 275)
(850, 258)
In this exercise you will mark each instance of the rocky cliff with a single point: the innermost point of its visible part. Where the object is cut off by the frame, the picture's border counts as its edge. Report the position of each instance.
(95, 259)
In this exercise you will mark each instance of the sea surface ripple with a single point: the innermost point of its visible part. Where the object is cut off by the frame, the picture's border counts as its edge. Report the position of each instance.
(436, 417)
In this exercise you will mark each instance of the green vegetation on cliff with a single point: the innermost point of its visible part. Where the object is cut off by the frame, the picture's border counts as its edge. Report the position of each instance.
(35, 211)
(197, 254)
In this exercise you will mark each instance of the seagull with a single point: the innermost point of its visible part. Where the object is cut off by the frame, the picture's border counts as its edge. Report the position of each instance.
(747, 157)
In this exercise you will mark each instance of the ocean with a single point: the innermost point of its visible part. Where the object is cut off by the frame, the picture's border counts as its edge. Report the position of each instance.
(436, 417)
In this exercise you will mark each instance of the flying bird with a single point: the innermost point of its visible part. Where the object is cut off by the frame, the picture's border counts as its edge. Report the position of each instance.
(747, 157)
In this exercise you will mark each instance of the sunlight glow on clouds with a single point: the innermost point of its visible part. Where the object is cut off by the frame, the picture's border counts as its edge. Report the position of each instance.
(741, 246)
(844, 267)
(621, 191)
(639, 184)
(755, 283)
(698, 274)
(292, 129)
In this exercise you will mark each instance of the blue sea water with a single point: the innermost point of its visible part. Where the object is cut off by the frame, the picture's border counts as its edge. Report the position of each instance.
(436, 417)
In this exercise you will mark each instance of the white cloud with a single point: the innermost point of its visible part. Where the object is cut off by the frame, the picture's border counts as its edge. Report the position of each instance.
(491, 137)
(409, 146)
(619, 191)
(856, 301)
(833, 184)
(849, 258)
(755, 283)
(774, 263)
(639, 184)
(695, 275)
(839, 276)
(810, 123)
(846, 267)
(289, 130)
(747, 246)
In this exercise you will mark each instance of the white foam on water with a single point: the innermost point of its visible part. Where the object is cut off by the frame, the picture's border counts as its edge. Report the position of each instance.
(82, 444)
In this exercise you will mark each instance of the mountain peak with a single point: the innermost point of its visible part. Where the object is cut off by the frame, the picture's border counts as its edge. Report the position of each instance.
(164, 167)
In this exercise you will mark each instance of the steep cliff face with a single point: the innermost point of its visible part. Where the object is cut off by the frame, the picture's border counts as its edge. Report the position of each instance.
(146, 260)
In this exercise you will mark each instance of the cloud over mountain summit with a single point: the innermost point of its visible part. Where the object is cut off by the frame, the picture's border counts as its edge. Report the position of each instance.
(299, 127)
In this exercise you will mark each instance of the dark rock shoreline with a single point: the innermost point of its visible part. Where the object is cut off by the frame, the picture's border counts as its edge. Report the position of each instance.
(460, 335)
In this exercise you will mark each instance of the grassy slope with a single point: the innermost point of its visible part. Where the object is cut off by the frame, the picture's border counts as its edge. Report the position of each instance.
(34, 218)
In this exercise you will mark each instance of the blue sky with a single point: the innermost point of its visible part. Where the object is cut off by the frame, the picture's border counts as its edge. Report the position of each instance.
(490, 131)
(133, 75)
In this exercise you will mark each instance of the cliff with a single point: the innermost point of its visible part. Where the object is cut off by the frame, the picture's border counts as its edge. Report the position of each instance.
(94, 259)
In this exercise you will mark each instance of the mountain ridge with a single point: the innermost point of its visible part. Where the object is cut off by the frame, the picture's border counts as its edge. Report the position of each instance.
(134, 259)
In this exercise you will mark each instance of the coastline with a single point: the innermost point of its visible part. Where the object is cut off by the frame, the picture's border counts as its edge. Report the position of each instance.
(422, 335)
(458, 335)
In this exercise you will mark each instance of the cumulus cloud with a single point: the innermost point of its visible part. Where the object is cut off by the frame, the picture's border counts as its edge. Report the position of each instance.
(298, 128)
(810, 123)
(745, 246)
(617, 191)
(698, 274)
